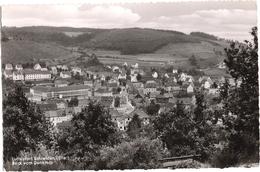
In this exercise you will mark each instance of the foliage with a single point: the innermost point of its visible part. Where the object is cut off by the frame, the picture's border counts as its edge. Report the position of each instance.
(117, 102)
(77, 76)
(28, 65)
(182, 135)
(24, 126)
(139, 77)
(153, 108)
(73, 102)
(134, 127)
(141, 153)
(92, 61)
(90, 129)
(240, 103)
(200, 107)
(193, 60)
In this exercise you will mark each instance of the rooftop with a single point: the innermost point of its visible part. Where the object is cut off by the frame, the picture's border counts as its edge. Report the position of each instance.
(141, 114)
(59, 89)
(31, 71)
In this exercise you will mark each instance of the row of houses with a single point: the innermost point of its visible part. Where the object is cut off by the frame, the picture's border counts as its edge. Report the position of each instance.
(39, 93)
(27, 75)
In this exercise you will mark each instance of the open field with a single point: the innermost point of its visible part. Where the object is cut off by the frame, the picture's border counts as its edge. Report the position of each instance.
(28, 51)
(215, 72)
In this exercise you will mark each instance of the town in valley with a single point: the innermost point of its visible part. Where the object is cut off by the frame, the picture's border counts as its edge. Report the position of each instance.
(125, 89)
(130, 86)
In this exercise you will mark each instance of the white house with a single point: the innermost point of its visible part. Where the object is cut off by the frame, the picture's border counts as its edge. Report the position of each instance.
(122, 76)
(18, 67)
(76, 70)
(174, 79)
(183, 76)
(65, 74)
(206, 85)
(8, 67)
(155, 75)
(190, 79)
(57, 116)
(64, 67)
(166, 75)
(103, 78)
(36, 75)
(150, 87)
(8, 74)
(115, 68)
(190, 89)
(37, 67)
(18, 76)
(133, 77)
(54, 70)
(136, 65)
(174, 71)
(222, 65)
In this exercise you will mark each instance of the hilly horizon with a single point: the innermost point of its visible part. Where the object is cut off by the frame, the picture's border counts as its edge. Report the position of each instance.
(20, 44)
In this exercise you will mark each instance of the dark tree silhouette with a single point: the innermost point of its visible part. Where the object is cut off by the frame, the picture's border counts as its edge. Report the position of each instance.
(90, 129)
(241, 117)
(24, 125)
(134, 127)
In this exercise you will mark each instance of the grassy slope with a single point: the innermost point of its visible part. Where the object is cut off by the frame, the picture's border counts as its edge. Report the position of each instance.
(26, 51)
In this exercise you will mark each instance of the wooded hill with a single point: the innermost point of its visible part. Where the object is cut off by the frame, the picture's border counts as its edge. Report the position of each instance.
(50, 42)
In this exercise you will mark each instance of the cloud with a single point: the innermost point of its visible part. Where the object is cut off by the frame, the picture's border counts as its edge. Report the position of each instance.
(228, 23)
(69, 15)
(231, 24)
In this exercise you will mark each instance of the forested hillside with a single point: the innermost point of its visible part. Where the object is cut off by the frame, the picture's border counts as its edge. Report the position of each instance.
(51, 42)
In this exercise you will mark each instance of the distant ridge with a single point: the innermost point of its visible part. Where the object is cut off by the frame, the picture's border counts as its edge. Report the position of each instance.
(130, 41)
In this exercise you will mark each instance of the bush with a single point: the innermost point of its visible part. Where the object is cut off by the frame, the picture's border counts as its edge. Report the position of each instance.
(141, 153)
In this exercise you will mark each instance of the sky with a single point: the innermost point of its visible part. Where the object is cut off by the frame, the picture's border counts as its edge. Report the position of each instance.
(230, 20)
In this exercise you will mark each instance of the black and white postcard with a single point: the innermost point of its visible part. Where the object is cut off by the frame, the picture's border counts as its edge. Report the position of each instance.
(119, 86)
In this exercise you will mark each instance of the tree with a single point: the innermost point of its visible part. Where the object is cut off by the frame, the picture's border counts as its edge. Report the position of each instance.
(181, 134)
(139, 77)
(108, 78)
(73, 102)
(128, 77)
(117, 102)
(200, 107)
(193, 60)
(214, 85)
(153, 108)
(241, 119)
(93, 61)
(119, 89)
(77, 76)
(90, 130)
(16, 97)
(141, 153)
(134, 127)
(24, 125)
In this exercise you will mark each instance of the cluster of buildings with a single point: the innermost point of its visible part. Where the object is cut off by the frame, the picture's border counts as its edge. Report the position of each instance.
(17, 73)
(37, 73)
(124, 91)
